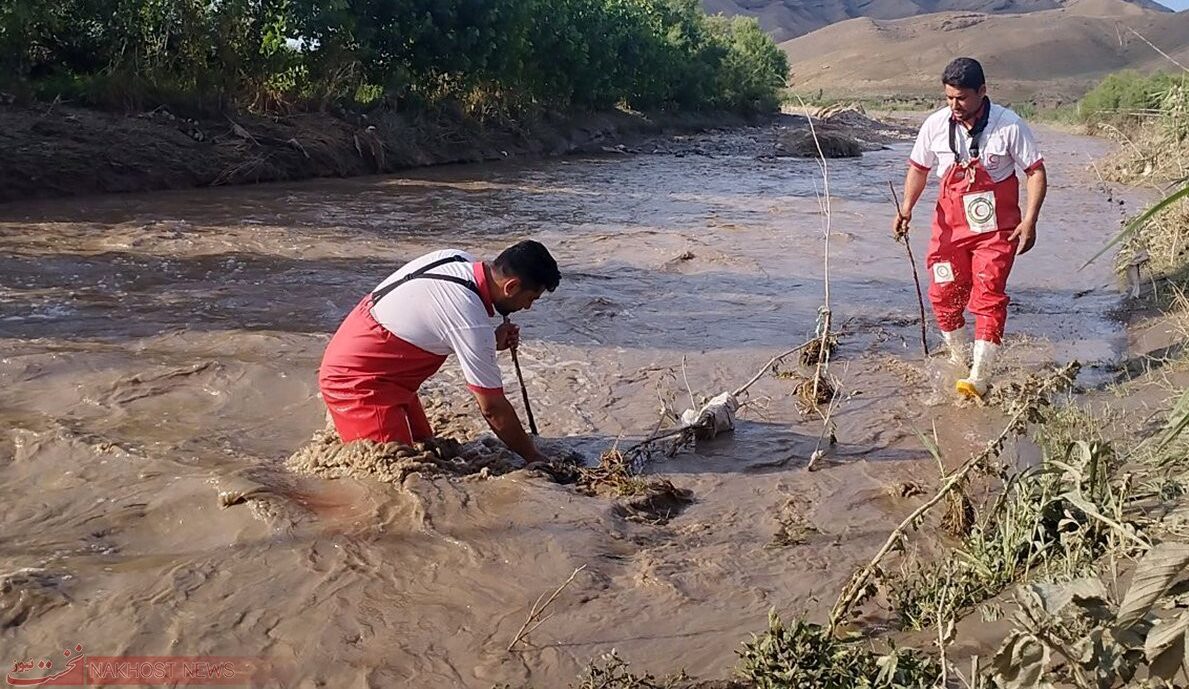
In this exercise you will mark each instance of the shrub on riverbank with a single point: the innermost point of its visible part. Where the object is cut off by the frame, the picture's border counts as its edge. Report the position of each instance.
(487, 55)
(1127, 98)
(1149, 117)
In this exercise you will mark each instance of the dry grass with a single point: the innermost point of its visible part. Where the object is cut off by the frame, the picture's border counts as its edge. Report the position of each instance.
(1155, 153)
(959, 515)
(812, 353)
(615, 475)
(813, 394)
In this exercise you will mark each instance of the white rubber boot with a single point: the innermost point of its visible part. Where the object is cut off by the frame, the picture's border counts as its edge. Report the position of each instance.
(957, 342)
(975, 385)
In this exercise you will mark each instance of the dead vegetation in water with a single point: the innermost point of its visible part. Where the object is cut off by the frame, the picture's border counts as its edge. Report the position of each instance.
(906, 489)
(959, 515)
(641, 498)
(813, 394)
(536, 615)
(819, 350)
(793, 526)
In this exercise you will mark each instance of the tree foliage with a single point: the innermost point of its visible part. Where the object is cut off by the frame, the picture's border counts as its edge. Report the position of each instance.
(502, 54)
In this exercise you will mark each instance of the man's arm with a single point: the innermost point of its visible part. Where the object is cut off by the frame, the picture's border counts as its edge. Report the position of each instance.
(1038, 186)
(914, 185)
(504, 422)
(475, 348)
(921, 160)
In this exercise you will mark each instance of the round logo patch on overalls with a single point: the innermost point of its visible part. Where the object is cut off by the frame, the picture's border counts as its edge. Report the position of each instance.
(980, 211)
(943, 272)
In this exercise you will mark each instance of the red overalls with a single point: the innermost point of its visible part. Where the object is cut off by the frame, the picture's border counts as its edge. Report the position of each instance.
(369, 377)
(969, 255)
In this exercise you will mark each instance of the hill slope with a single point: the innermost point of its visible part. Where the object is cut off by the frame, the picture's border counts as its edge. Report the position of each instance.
(786, 19)
(1048, 55)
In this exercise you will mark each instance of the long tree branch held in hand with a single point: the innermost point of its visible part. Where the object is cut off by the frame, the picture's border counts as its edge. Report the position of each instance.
(916, 278)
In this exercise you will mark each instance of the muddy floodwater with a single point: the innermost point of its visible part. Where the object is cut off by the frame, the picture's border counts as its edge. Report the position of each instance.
(159, 351)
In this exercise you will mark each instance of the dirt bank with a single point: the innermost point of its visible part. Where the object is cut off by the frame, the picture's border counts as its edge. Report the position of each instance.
(52, 150)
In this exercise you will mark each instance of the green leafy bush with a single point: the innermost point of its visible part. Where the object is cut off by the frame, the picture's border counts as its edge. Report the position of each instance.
(485, 54)
(806, 656)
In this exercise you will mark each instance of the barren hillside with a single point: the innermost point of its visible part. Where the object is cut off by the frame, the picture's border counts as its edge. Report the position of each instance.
(1048, 55)
(786, 19)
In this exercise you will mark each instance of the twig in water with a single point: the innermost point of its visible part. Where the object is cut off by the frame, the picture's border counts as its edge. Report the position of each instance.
(827, 428)
(771, 362)
(824, 201)
(692, 403)
(659, 435)
(916, 279)
(825, 204)
(534, 615)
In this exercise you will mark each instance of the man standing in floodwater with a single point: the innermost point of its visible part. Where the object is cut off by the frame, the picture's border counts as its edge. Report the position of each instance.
(978, 229)
(401, 333)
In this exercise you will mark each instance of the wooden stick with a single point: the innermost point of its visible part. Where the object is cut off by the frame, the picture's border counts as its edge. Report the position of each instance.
(915, 277)
(824, 313)
(536, 611)
(831, 407)
(528, 408)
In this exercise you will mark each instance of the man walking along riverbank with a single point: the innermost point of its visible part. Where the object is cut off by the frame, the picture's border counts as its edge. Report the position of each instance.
(978, 228)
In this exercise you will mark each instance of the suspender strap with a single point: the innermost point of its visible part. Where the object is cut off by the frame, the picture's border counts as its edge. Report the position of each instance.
(423, 272)
(975, 131)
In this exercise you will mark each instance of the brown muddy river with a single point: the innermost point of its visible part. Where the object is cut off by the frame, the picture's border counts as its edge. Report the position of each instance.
(154, 347)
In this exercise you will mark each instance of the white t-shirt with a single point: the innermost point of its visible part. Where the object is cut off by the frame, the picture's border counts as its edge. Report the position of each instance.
(443, 317)
(1005, 144)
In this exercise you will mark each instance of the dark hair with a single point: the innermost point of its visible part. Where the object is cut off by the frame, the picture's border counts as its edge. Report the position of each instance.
(530, 262)
(964, 73)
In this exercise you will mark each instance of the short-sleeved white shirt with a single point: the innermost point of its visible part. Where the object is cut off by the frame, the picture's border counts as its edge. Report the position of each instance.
(443, 317)
(1006, 143)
